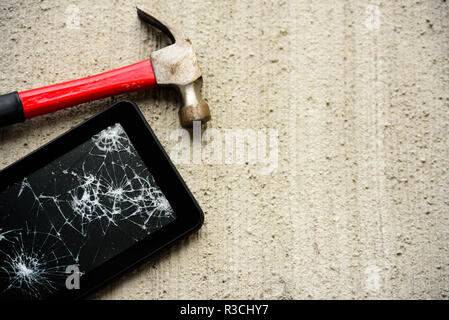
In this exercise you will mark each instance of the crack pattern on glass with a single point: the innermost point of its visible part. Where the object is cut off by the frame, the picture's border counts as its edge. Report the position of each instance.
(84, 208)
(34, 263)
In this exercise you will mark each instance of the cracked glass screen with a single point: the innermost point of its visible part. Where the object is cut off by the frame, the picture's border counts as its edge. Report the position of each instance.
(81, 209)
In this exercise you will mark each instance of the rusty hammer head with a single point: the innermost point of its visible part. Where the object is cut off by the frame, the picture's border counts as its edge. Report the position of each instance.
(176, 66)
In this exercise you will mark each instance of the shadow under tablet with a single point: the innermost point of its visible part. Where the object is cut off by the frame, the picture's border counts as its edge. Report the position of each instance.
(82, 208)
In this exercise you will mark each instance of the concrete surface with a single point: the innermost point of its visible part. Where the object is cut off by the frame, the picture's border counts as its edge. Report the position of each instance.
(358, 92)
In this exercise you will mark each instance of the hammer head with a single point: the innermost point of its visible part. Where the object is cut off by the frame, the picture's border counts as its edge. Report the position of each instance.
(176, 66)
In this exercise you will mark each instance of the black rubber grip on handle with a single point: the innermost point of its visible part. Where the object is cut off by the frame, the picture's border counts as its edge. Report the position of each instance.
(11, 109)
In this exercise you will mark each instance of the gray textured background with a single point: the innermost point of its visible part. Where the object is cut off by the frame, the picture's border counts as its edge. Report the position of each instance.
(358, 91)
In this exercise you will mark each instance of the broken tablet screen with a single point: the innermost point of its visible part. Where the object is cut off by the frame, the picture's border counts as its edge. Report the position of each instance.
(79, 210)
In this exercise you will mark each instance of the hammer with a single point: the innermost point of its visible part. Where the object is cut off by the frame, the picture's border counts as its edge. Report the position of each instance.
(174, 66)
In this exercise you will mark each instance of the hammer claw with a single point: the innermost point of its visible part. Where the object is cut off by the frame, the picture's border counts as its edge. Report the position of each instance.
(155, 22)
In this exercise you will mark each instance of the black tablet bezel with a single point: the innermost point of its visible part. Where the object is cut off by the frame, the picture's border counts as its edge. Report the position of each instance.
(189, 215)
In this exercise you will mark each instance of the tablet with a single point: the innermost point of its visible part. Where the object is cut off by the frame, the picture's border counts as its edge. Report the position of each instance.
(88, 206)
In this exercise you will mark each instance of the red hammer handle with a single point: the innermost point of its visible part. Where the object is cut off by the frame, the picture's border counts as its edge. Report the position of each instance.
(138, 76)
(35, 102)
